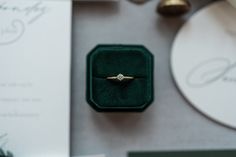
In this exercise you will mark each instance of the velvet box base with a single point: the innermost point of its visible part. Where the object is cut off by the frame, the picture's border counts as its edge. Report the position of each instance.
(110, 60)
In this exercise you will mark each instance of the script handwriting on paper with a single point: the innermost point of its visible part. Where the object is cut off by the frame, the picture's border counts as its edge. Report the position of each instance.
(211, 71)
(16, 18)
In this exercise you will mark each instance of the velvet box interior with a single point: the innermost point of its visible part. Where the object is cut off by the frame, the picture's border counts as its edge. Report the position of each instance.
(109, 61)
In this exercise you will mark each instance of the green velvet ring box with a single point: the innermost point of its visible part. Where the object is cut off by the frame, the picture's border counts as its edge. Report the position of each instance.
(114, 95)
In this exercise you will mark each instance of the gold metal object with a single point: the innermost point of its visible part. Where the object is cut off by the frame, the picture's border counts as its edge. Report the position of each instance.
(120, 78)
(173, 7)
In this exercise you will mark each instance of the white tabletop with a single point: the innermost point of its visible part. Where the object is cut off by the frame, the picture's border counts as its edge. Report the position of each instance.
(170, 123)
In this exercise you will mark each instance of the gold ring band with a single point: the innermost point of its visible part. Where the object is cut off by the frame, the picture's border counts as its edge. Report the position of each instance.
(120, 77)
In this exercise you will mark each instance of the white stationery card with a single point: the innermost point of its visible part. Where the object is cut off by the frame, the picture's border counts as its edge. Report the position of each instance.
(35, 45)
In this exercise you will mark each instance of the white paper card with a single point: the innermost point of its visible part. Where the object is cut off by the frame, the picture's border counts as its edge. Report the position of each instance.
(204, 62)
(35, 44)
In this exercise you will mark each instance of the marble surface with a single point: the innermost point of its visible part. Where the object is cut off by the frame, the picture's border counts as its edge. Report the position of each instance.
(170, 123)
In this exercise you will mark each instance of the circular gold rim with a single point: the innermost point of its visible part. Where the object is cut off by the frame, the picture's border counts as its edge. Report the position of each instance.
(173, 7)
(174, 3)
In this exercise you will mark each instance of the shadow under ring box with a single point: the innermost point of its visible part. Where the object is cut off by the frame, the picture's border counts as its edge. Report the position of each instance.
(133, 95)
